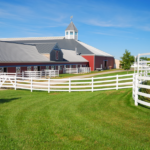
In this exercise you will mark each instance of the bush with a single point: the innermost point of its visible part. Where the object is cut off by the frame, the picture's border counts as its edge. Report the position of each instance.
(143, 90)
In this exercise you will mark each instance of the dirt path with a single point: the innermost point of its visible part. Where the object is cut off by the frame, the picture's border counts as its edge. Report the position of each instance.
(94, 74)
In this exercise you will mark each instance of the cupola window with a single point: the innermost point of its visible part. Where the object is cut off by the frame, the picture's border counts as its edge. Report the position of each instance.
(71, 33)
(75, 33)
(66, 33)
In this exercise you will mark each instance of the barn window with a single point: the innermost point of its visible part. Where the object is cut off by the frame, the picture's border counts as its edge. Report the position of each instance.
(47, 67)
(57, 55)
(52, 67)
(35, 68)
(17, 69)
(29, 68)
(1, 69)
(60, 67)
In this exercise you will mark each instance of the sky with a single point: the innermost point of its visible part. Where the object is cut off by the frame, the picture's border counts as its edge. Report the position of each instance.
(109, 25)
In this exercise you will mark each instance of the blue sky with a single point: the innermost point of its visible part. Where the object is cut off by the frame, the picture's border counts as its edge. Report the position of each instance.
(109, 25)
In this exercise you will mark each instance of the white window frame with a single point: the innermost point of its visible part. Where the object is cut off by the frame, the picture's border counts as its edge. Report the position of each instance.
(52, 67)
(71, 32)
(28, 68)
(1, 69)
(18, 69)
(65, 66)
(60, 67)
(47, 67)
(35, 68)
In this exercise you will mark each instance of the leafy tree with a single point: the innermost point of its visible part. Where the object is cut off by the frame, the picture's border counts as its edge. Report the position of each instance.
(143, 58)
(127, 60)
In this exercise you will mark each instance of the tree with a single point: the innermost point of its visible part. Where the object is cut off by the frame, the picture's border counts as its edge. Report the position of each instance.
(143, 58)
(127, 60)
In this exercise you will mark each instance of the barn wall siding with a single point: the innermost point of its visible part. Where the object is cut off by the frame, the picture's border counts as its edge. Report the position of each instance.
(91, 61)
(100, 60)
(11, 69)
(23, 66)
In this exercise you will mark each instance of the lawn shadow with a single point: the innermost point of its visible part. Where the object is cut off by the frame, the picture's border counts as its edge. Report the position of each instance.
(8, 100)
(147, 107)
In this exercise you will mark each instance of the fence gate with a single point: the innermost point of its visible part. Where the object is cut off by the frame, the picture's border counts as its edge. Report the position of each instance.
(6, 81)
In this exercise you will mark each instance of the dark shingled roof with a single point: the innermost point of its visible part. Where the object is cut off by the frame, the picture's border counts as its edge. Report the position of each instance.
(68, 44)
(72, 27)
(45, 48)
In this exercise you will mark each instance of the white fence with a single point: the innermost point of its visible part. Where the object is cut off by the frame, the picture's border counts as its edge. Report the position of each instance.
(39, 74)
(51, 73)
(68, 84)
(141, 75)
(77, 70)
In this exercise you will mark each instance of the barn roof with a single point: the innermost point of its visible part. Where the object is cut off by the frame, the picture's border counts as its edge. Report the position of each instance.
(70, 55)
(72, 27)
(67, 44)
(11, 52)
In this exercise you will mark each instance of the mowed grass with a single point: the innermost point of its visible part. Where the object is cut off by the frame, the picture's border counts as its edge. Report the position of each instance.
(80, 74)
(72, 121)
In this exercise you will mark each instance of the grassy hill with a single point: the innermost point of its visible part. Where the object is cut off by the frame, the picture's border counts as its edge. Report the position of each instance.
(71, 121)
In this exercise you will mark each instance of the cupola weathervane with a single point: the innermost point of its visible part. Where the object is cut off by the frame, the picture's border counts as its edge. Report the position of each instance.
(71, 18)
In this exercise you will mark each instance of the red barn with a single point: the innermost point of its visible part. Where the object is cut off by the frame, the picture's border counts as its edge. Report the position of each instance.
(51, 53)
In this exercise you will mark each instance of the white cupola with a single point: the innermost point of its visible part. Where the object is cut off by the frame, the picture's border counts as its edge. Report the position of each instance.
(71, 32)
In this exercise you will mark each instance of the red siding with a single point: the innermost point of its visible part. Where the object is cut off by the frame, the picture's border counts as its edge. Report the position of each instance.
(91, 61)
(100, 60)
(43, 67)
(11, 69)
(23, 69)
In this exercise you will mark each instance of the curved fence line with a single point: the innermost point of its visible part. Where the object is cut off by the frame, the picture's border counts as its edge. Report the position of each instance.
(68, 84)
(141, 76)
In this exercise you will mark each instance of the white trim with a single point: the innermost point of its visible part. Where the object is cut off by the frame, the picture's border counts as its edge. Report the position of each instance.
(32, 38)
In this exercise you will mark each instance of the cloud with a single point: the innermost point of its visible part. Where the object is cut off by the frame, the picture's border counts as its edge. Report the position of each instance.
(145, 28)
(97, 22)
(103, 33)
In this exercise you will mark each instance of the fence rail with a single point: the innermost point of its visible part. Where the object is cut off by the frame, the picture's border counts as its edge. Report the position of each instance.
(141, 75)
(39, 74)
(77, 70)
(68, 84)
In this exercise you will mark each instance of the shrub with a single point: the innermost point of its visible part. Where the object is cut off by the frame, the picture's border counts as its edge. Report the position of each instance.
(143, 90)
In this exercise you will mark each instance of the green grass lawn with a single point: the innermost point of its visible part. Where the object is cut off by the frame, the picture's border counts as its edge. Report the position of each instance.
(92, 72)
(72, 121)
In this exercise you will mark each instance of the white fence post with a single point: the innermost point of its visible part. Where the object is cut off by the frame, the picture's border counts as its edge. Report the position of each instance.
(15, 82)
(117, 82)
(69, 85)
(92, 84)
(136, 90)
(40, 74)
(133, 87)
(23, 74)
(31, 84)
(48, 85)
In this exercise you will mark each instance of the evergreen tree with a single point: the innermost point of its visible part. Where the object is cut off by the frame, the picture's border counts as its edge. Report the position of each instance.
(127, 60)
